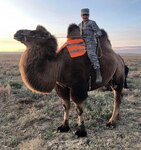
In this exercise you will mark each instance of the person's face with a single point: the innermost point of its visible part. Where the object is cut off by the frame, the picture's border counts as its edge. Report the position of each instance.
(85, 17)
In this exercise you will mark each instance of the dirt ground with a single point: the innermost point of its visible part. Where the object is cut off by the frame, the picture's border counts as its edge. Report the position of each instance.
(28, 121)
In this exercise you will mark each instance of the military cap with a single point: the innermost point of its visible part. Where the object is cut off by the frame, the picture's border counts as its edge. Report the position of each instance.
(85, 11)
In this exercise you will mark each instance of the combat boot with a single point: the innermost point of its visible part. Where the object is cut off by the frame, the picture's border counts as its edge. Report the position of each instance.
(98, 76)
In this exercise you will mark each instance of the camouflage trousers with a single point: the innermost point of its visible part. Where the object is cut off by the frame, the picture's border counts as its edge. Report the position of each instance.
(91, 51)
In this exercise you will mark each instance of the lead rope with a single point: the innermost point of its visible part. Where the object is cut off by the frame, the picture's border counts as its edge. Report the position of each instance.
(81, 31)
(99, 48)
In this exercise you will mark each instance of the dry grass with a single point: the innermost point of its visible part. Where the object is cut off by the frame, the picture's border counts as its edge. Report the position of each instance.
(5, 91)
(28, 121)
(34, 144)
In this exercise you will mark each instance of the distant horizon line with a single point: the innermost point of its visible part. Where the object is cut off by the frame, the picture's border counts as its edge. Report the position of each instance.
(126, 46)
(116, 48)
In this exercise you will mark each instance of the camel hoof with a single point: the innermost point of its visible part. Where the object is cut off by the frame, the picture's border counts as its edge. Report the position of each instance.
(63, 128)
(81, 133)
(111, 125)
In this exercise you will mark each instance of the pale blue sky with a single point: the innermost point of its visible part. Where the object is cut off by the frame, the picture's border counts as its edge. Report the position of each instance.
(120, 18)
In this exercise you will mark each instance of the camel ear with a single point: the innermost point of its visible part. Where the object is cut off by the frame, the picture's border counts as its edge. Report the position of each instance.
(41, 28)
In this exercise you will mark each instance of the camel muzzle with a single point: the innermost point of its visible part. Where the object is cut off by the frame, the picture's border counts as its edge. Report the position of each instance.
(21, 35)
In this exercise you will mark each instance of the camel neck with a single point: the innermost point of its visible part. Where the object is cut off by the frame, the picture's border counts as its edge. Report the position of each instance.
(39, 71)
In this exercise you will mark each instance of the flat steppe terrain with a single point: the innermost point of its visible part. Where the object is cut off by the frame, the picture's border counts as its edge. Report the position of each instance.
(28, 121)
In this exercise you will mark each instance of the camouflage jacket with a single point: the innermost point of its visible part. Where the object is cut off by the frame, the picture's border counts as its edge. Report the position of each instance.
(89, 30)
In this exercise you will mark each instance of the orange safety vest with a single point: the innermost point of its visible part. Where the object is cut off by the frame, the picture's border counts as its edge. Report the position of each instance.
(76, 47)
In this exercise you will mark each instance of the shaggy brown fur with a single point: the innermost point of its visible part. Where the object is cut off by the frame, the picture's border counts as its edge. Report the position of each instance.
(42, 69)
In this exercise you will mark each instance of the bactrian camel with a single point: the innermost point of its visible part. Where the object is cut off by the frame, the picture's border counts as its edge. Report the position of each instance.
(43, 69)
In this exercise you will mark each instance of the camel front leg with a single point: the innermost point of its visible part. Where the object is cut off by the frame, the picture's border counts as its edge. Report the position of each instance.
(81, 132)
(78, 95)
(65, 126)
(117, 102)
(64, 94)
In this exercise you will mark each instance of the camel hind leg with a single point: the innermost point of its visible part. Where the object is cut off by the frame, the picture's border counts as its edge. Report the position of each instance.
(64, 93)
(117, 91)
(115, 113)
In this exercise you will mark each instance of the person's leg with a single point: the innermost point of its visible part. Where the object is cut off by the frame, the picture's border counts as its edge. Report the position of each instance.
(91, 51)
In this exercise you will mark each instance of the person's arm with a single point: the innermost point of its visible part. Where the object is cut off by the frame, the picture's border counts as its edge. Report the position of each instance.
(96, 29)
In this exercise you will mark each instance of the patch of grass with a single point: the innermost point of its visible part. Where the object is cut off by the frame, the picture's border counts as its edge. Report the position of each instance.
(29, 118)
(48, 134)
(33, 144)
(135, 83)
(100, 106)
(16, 85)
(28, 121)
(133, 68)
(14, 141)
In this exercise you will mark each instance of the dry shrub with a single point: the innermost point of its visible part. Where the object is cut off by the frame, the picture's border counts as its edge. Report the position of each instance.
(5, 91)
(29, 118)
(126, 91)
(34, 144)
(134, 74)
(131, 98)
(137, 92)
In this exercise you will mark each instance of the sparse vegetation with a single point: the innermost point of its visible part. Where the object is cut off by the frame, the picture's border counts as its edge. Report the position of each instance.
(28, 121)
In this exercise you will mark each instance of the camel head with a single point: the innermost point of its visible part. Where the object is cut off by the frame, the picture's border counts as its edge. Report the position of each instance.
(39, 41)
(28, 37)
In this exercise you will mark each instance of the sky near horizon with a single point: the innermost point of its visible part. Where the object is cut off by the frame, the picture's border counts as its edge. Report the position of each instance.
(121, 19)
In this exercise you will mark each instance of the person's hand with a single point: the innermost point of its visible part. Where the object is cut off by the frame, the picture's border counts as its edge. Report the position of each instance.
(98, 34)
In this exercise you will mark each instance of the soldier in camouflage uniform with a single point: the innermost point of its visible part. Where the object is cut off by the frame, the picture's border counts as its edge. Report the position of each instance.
(89, 31)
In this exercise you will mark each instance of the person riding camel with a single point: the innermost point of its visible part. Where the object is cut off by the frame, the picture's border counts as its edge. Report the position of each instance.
(89, 30)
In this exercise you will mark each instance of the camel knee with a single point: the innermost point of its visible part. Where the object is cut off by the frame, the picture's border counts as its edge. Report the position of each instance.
(66, 104)
(79, 110)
